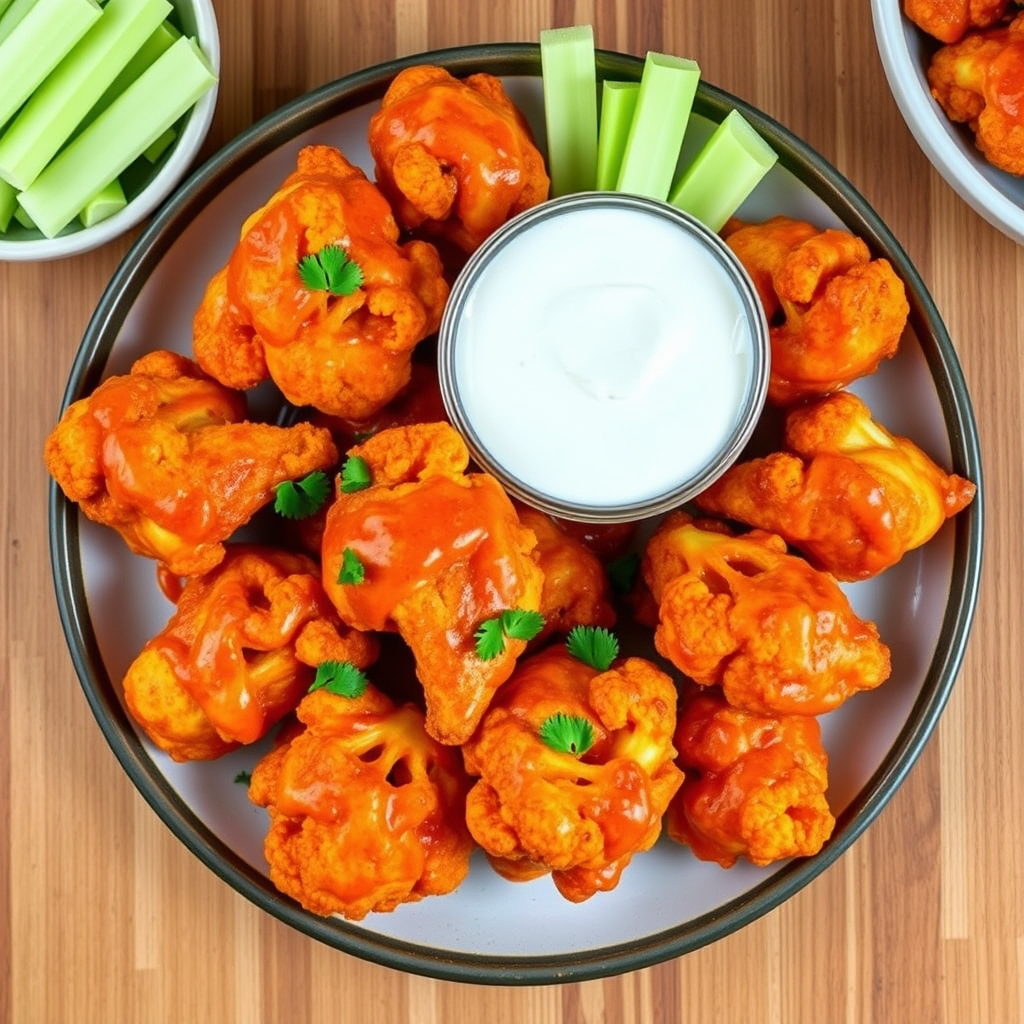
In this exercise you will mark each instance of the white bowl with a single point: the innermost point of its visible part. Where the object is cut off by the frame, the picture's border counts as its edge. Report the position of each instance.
(196, 18)
(905, 51)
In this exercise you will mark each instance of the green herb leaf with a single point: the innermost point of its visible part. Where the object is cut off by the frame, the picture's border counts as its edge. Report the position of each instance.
(243, 778)
(355, 474)
(514, 623)
(297, 499)
(622, 572)
(568, 734)
(341, 678)
(593, 645)
(352, 569)
(330, 270)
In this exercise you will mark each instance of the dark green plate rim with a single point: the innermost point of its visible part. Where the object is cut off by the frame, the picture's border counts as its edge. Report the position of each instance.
(88, 369)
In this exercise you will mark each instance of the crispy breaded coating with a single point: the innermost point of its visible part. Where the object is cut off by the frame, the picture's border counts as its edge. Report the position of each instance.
(833, 312)
(346, 355)
(536, 810)
(443, 551)
(238, 653)
(980, 81)
(163, 455)
(454, 157)
(576, 591)
(949, 20)
(851, 496)
(778, 635)
(755, 784)
(366, 810)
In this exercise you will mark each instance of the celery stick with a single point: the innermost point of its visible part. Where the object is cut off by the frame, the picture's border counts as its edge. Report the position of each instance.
(724, 172)
(109, 200)
(618, 102)
(4, 4)
(35, 47)
(12, 17)
(160, 145)
(23, 218)
(150, 105)
(570, 107)
(8, 204)
(159, 42)
(53, 111)
(667, 88)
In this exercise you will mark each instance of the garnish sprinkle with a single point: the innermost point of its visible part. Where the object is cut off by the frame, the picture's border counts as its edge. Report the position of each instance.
(330, 270)
(622, 572)
(341, 678)
(514, 623)
(352, 570)
(297, 499)
(355, 474)
(243, 778)
(568, 734)
(593, 645)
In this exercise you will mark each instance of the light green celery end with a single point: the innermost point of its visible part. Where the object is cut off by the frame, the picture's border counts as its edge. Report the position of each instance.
(160, 145)
(569, 76)
(23, 218)
(109, 200)
(8, 204)
(725, 171)
(618, 104)
(667, 89)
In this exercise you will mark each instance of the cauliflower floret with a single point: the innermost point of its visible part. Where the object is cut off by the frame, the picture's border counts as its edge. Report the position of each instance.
(536, 809)
(237, 654)
(755, 784)
(834, 313)
(366, 810)
(159, 454)
(778, 635)
(455, 157)
(949, 20)
(847, 493)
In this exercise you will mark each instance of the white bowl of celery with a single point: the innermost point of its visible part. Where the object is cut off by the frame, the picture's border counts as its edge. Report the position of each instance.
(111, 105)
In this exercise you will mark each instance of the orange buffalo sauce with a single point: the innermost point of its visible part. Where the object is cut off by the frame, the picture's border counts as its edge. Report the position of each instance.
(408, 540)
(1004, 85)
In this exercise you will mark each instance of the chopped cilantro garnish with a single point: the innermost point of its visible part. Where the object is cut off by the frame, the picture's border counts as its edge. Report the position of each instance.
(352, 569)
(243, 778)
(330, 270)
(341, 678)
(514, 623)
(355, 474)
(297, 499)
(593, 645)
(568, 734)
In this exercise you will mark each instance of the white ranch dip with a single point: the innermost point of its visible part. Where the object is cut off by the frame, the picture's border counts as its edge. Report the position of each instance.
(601, 355)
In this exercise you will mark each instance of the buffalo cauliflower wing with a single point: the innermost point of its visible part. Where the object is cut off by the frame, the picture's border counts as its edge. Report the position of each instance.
(778, 635)
(348, 354)
(847, 493)
(754, 787)
(949, 20)
(833, 312)
(237, 654)
(436, 552)
(535, 809)
(162, 455)
(454, 157)
(980, 81)
(366, 810)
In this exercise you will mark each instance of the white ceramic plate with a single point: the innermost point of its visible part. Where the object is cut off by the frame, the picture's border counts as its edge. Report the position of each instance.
(905, 52)
(491, 930)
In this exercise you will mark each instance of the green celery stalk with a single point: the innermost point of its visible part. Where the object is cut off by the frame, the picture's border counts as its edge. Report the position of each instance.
(667, 88)
(8, 204)
(109, 200)
(147, 108)
(158, 43)
(37, 44)
(618, 103)
(23, 218)
(569, 76)
(160, 145)
(724, 172)
(4, 4)
(12, 17)
(54, 110)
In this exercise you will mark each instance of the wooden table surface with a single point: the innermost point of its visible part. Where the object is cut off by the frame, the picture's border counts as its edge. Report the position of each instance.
(105, 916)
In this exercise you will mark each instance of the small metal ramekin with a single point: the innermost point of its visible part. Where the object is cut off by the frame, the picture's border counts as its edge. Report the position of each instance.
(750, 407)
